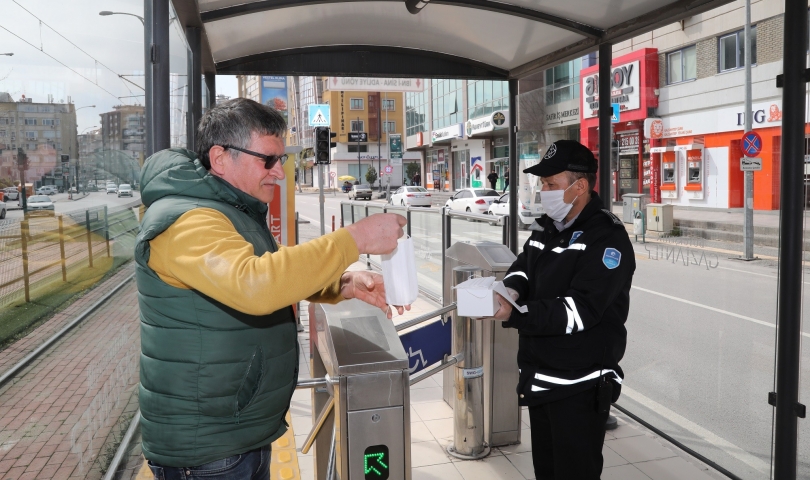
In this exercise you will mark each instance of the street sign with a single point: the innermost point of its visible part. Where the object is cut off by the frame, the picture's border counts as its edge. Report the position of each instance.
(395, 148)
(333, 174)
(749, 164)
(388, 169)
(427, 345)
(751, 144)
(319, 115)
(615, 117)
(358, 137)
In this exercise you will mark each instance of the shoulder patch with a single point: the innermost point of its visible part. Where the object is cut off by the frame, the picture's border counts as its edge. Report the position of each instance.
(574, 237)
(612, 258)
(612, 216)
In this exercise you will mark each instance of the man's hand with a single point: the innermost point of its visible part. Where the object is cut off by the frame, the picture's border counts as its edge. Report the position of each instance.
(505, 309)
(377, 234)
(368, 287)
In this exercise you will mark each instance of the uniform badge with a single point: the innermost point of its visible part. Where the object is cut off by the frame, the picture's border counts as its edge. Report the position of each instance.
(574, 237)
(612, 258)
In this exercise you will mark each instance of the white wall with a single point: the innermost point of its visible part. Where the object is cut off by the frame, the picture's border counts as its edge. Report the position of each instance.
(715, 183)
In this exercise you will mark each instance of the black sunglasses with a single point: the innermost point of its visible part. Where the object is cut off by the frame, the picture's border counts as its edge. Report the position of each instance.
(269, 160)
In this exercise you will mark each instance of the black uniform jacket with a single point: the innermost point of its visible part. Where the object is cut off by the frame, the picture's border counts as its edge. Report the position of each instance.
(576, 285)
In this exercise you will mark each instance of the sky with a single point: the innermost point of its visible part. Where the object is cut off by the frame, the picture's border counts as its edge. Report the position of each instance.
(65, 49)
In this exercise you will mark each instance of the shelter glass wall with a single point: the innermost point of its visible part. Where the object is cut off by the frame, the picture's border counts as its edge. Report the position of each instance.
(700, 352)
(179, 55)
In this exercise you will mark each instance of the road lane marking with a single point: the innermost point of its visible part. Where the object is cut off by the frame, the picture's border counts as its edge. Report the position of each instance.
(710, 437)
(754, 273)
(718, 310)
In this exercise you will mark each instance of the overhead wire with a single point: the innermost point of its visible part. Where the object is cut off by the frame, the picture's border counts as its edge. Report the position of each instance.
(41, 22)
(60, 62)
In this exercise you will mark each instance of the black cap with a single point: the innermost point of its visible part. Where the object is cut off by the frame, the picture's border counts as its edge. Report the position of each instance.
(564, 155)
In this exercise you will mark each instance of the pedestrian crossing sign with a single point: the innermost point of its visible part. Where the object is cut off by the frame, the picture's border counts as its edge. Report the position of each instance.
(319, 115)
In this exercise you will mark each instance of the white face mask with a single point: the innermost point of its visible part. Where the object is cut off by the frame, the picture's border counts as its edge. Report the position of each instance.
(554, 204)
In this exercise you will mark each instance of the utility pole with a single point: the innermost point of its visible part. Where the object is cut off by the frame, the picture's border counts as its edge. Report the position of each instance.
(359, 168)
(748, 217)
(379, 140)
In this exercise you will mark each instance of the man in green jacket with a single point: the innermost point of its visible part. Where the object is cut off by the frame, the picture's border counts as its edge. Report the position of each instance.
(219, 351)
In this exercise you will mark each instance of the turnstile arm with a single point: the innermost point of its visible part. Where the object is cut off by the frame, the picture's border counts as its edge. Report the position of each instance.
(423, 318)
(449, 360)
(327, 409)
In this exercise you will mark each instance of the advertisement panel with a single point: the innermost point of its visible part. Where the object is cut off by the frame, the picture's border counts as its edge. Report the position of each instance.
(281, 212)
(274, 93)
(477, 172)
(395, 148)
(362, 84)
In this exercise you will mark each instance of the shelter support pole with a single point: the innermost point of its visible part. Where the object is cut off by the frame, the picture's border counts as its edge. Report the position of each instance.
(194, 85)
(211, 85)
(513, 167)
(748, 212)
(605, 178)
(156, 23)
(789, 318)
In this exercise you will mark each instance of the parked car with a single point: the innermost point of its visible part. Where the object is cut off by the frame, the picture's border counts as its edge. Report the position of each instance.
(2, 210)
(124, 190)
(112, 188)
(411, 197)
(47, 190)
(527, 214)
(11, 193)
(360, 191)
(472, 200)
(40, 205)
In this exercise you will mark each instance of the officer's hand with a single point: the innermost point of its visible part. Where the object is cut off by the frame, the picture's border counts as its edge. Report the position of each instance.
(377, 234)
(368, 287)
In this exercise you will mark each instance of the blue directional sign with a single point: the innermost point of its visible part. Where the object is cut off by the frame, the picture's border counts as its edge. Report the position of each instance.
(427, 345)
(751, 144)
(319, 115)
(614, 118)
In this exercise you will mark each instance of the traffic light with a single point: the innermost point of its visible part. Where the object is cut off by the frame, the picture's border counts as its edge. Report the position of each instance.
(323, 145)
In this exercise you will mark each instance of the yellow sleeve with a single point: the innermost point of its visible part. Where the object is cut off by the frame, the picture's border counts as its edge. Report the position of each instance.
(203, 251)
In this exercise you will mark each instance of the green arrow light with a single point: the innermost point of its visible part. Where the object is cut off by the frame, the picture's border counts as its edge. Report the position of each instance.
(375, 463)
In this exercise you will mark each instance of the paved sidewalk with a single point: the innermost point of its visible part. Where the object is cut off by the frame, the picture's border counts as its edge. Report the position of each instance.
(57, 416)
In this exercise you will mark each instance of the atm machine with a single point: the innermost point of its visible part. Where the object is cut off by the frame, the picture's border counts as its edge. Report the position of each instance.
(695, 166)
(669, 175)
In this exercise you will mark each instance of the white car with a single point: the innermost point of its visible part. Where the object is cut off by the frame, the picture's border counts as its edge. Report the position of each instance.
(2, 210)
(360, 191)
(11, 193)
(411, 197)
(124, 190)
(47, 190)
(472, 200)
(40, 205)
(526, 213)
(112, 188)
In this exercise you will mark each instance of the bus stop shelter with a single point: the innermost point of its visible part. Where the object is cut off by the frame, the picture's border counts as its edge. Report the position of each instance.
(507, 40)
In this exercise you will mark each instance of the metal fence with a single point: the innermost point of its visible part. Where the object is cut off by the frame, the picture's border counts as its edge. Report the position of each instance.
(37, 250)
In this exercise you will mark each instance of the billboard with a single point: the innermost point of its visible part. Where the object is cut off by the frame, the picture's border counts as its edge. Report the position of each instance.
(274, 93)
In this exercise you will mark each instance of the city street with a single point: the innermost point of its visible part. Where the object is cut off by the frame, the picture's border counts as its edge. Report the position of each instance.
(701, 335)
(62, 204)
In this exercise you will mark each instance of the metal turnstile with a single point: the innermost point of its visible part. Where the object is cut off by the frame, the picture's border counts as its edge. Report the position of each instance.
(501, 411)
(359, 352)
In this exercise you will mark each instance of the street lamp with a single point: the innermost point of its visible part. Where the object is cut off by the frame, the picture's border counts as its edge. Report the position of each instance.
(88, 128)
(7, 54)
(86, 106)
(107, 13)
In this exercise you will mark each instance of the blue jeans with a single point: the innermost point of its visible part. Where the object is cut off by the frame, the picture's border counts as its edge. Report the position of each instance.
(253, 465)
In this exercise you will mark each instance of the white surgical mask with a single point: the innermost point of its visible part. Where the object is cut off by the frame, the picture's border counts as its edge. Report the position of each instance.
(554, 203)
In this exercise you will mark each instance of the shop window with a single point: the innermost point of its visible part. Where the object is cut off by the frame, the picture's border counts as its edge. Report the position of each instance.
(356, 104)
(732, 50)
(353, 148)
(682, 65)
(358, 126)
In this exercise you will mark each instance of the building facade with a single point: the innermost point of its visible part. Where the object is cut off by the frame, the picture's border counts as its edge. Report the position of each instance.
(44, 132)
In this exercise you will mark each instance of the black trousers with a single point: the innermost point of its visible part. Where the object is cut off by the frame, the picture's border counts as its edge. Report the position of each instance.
(567, 438)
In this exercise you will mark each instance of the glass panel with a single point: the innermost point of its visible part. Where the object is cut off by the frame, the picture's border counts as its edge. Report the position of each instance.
(178, 79)
(699, 352)
(690, 63)
(674, 67)
(426, 228)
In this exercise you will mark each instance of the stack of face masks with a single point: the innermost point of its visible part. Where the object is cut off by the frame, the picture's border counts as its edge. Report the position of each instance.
(399, 274)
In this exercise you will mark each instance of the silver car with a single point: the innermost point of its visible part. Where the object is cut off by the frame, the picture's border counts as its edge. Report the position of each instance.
(124, 190)
(360, 191)
(40, 205)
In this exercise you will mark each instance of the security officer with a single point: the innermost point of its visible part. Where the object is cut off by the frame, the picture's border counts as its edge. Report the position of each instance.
(574, 276)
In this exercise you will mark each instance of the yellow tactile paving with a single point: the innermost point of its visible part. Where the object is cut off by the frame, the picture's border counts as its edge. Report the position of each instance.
(283, 458)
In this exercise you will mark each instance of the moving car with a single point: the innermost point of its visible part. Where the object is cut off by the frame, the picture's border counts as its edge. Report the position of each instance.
(112, 188)
(11, 193)
(2, 210)
(360, 191)
(411, 197)
(124, 190)
(527, 214)
(472, 200)
(40, 205)
(47, 190)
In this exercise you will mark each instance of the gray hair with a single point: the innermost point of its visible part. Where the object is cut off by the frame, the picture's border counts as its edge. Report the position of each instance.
(589, 177)
(233, 123)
